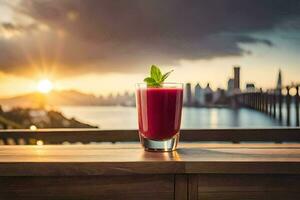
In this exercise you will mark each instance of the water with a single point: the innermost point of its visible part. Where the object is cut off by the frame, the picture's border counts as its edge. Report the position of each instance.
(106, 117)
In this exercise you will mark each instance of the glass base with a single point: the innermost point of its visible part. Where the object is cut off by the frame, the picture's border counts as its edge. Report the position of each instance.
(160, 145)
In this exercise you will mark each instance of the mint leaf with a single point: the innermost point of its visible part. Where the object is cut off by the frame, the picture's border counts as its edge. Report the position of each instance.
(156, 78)
(155, 73)
(165, 76)
(149, 80)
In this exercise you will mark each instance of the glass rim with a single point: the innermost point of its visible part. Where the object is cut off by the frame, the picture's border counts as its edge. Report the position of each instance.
(163, 84)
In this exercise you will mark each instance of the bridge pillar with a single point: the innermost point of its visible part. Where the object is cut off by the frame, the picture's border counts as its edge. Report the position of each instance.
(274, 103)
(280, 104)
(266, 103)
(270, 103)
(288, 106)
(297, 106)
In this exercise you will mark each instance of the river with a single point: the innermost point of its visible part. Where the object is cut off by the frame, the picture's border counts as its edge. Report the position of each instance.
(117, 117)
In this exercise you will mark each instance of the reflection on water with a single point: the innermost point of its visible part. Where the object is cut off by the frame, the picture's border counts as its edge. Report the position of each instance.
(224, 118)
(192, 118)
(214, 118)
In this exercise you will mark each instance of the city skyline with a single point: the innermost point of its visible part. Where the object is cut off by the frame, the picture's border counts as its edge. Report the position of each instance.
(195, 95)
(229, 87)
(60, 41)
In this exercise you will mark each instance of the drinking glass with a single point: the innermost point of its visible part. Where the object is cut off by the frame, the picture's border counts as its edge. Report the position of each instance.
(159, 115)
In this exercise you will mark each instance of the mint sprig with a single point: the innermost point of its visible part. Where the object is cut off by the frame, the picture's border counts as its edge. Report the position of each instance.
(156, 77)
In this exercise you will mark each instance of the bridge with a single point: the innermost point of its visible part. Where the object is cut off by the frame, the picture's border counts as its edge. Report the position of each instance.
(275, 103)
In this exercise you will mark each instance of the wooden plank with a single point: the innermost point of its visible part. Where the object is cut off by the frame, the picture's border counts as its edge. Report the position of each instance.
(193, 187)
(181, 187)
(88, 168)
(243, 167)
(91, 188)
(229, 186)
(182, 144)
(187, 153)
(58, 136)
(285, 195)
(232, 135)
(82, 160)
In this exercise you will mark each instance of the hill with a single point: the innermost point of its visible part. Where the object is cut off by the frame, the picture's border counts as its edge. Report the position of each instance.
(54, 98)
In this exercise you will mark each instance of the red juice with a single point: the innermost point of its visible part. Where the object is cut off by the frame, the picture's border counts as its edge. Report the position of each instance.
(159, 112)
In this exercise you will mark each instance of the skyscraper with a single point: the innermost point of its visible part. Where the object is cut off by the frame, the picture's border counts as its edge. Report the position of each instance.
(236, 77)
(230, 86)
(279, 80)
(188, 94)
(208, 95)
(199, 95)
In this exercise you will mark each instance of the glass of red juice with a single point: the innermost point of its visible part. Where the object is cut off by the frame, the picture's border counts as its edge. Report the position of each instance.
(159, 115)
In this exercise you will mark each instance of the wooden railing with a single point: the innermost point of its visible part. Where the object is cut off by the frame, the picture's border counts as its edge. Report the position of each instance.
(85, 136)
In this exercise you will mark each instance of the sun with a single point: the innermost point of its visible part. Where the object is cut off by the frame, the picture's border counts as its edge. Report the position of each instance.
(45, 86)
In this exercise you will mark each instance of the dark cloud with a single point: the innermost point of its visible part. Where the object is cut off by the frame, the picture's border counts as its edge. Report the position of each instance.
(16, 27)
(121, 36)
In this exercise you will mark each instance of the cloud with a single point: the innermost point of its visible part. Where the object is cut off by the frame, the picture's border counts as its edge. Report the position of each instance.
(13, 27)
(124, 36)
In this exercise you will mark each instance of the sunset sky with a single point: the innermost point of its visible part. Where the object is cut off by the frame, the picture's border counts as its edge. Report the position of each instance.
(103, 46)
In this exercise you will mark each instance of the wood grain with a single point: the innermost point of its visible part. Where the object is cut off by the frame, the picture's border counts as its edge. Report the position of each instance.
(77, 160)
(193, 187)
(237, 186)
(181, 187)
(125, 171)
(91, 188)
(58, 136)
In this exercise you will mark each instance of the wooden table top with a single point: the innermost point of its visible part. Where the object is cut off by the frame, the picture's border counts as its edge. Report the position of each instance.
(123, 159)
